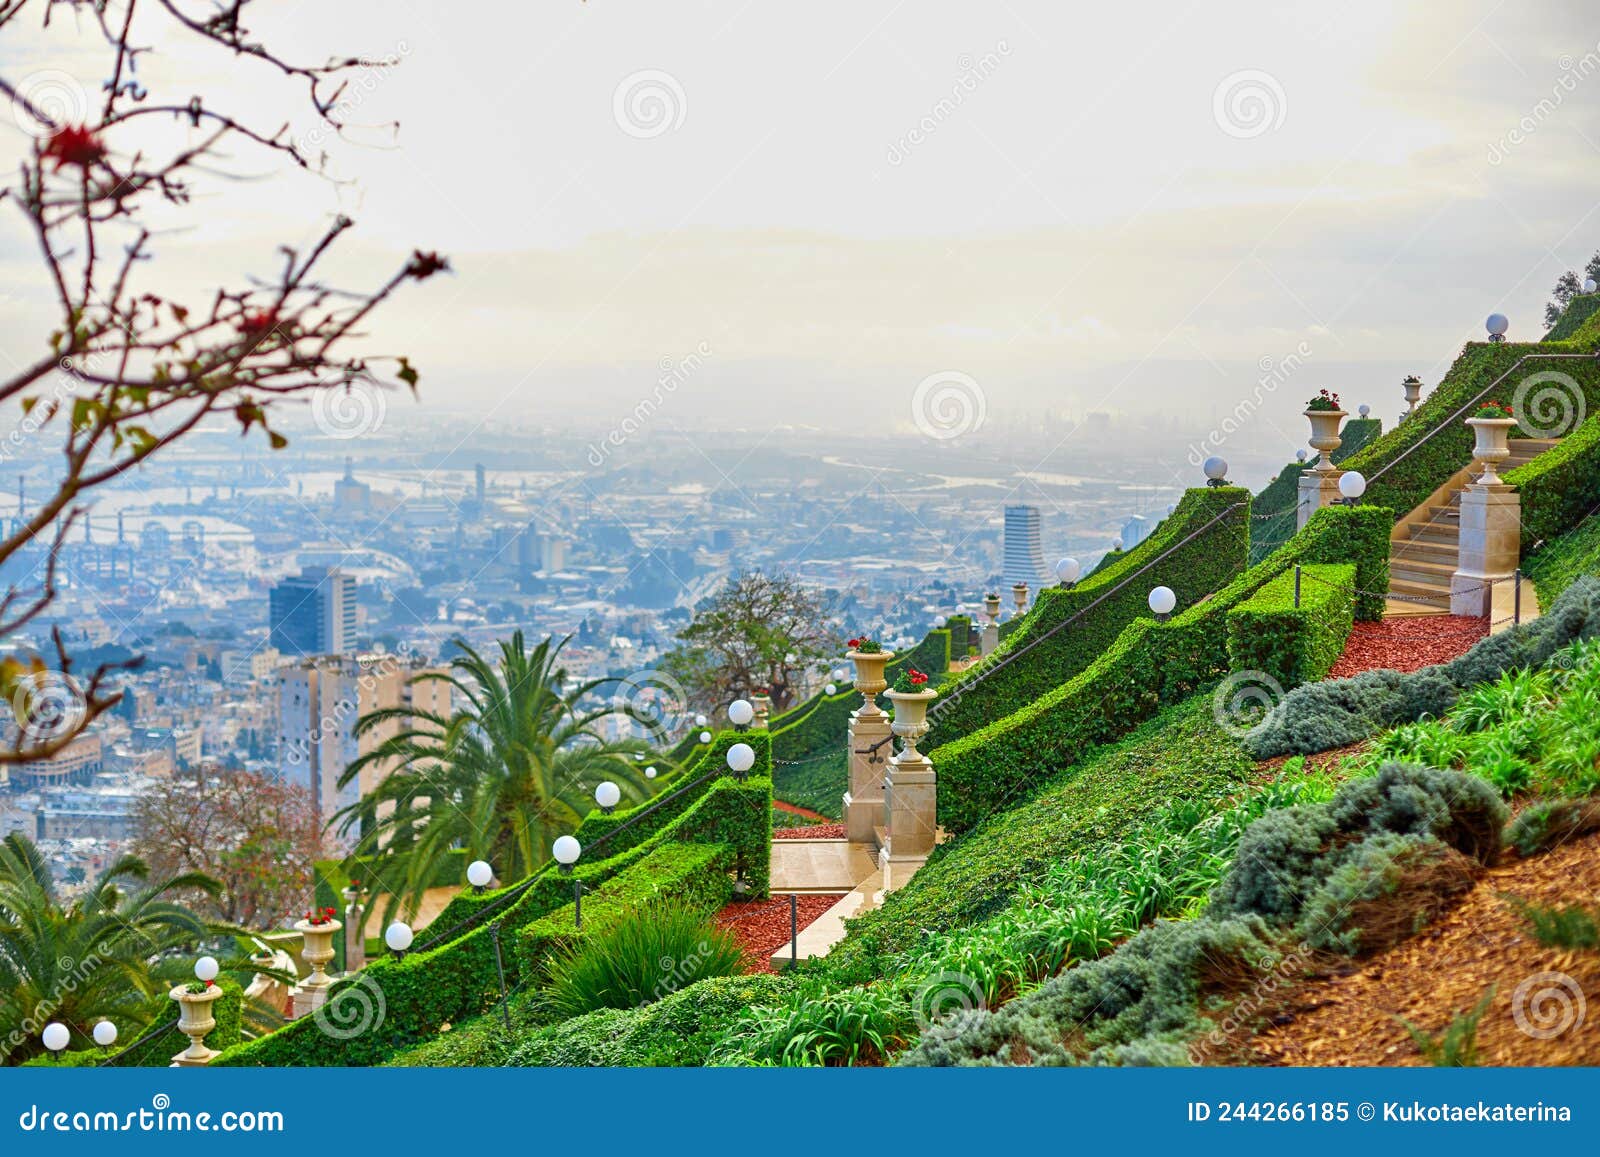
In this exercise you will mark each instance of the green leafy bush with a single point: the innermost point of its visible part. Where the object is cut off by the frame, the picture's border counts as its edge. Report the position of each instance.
(1294, 644)
(644, 955)
(1576, 318)
(821, 1026)
(1569, 926)
(157, 1052)
(1286, 856)
(1388, 890)
(1150, 664)
(1410, 462)
(1322, 716)
(1457, 1046)
(1032, 661)
(679, 1030)
(695, 875)
(1549, 824)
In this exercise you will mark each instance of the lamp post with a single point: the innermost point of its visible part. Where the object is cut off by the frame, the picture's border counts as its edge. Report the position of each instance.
(398, 937)
(1497, 324)
(1363, 410)
(1216, 471)
(1161, 601)
(607, 796)
(741, 758)
(479, 873)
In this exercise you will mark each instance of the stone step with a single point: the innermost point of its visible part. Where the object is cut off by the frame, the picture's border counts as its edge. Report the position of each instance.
(1425, 550)
(1420, 570)
(1425, 594)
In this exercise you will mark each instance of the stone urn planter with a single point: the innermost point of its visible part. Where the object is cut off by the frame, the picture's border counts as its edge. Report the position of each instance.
(1413, 392)
(1492, 446)
(1019, 595)
(991, 607)
(194, 1021)
(869, 676)
(1325, 436)
(910, 717)
(318, 949)
(762, 702)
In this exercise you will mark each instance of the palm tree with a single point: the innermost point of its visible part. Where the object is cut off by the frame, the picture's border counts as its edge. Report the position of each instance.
(103, 956)
(512, 767)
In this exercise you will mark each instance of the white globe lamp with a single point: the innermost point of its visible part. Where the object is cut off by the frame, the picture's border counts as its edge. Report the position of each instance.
(705, 737)
(1588, 285)
(700, 720)
(55, 1036)
(830, 689)
(566, 850)
(479, 873)
(649, 773)
(741, 758)
(398, 936)
(1497, 324)
(105, 1034)
(1162, 600)
(740, 713)
(206, 969)
(1068, 570)
(1363, 409)
(607, 795)
(1352, 485)
(1216, 471)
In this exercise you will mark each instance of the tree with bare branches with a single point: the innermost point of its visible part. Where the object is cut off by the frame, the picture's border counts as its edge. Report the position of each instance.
(127, 372)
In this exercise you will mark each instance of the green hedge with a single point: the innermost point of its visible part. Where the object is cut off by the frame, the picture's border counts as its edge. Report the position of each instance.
(157, 1052)
(1573, 321)
(424, 990)
(1403, 483)
(1149, 665)
(976, 697)
(1560, 487)
(1273, 510)
(696, 875)
(1294, 644)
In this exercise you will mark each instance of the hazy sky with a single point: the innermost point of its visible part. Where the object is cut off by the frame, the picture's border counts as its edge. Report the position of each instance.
(1125, 207)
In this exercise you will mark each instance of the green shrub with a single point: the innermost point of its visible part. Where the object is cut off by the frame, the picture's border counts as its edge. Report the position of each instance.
(644, 955)
(822, 1026)
(680, 1030)
(1402, 469)
(1388, 890)
(1150, 664)
(1549, 824)
(458, 978)
(1569, 926)
(1322, 716)
(1457, 1046)
(1294, 644)
(1033, 661)
(1553, 567)
(1558, 488)
(157, 1052)
(1148, 988)
(1580, 310)
(1184, 753)
(694, 875)
(1273, 512)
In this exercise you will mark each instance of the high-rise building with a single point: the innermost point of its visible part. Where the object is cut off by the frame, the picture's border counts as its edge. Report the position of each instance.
(1135, 529)
(1024, 556)
(314, 613)
(319, 701)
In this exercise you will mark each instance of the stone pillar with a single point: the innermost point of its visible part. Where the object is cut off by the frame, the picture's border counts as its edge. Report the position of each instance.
(1491, 545)
(762, 702)
(870, 748)
(1317, 489)
(990, 638)
(355, 926)
(910, 796)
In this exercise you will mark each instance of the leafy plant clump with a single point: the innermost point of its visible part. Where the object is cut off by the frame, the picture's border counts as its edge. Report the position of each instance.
(1495, 410)
(1457, 1046)
(638, 960)
(1324, 401)
(1569, 926)
(911, 681)
(1551, 823)
(822, 1026)
(1391, 888)
(866, 646)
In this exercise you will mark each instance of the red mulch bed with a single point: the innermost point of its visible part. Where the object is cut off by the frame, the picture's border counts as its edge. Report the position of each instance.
(762, 926)
(814, 832)
(1407, 643)
(797, 810)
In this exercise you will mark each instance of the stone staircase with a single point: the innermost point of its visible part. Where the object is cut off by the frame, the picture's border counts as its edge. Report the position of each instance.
(1424, 550)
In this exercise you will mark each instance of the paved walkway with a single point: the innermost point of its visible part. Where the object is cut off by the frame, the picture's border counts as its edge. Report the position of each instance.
(820, 865)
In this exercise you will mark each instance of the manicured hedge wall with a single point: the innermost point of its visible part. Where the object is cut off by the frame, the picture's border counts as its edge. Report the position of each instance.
(1273, 522)
(157, 1052)
(424, 990)
(1560, 487)
(1294, 644)
(696, 875)
(1149, 665)
(1579, 311)
(1403, 483)
(976, 697)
